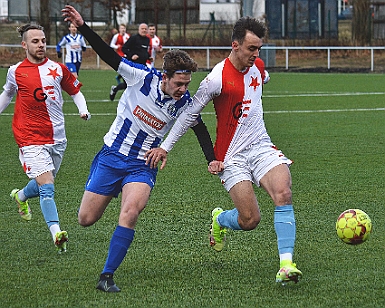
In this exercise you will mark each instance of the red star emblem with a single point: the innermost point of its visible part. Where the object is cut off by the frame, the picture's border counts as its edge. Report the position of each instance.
(53, 73)
(254, 82)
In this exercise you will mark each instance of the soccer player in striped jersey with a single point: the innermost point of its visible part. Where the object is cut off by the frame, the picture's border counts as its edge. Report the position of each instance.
(243, 149)
(146, 111)
(38, 124)
(75, 46)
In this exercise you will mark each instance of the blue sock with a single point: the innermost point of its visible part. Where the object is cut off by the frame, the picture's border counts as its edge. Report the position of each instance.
(48, 205)
(229, 219)
(31, 190)
(284, 223)
(120, 242)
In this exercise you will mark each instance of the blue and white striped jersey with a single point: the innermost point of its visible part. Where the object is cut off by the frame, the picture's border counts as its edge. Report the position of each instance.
(73, 45)
(144, 113)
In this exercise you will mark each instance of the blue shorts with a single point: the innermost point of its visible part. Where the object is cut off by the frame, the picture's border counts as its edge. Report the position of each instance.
(111, 170)
(73, 67)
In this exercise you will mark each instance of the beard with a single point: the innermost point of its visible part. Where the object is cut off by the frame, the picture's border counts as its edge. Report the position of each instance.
(38, 56)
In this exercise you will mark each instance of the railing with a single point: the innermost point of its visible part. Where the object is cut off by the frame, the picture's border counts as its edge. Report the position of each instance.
(286, 49)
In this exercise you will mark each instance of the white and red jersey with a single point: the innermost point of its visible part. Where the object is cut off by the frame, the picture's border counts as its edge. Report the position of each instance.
(156, 44)
(38, 117)
(237, 98)
(118, 41)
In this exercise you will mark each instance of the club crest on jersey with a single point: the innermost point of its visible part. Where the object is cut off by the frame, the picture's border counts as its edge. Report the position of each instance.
(171, 110)
(148, 118)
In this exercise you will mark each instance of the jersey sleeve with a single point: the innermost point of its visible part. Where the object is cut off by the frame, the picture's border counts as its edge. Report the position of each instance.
(208, 89)
(61, 43)
(69, 82)
(105, 52)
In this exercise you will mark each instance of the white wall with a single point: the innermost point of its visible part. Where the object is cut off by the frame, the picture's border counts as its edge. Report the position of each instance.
(228, 12)
(3, 9)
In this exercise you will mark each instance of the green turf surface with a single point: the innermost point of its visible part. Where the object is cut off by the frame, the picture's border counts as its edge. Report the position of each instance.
(331, 125)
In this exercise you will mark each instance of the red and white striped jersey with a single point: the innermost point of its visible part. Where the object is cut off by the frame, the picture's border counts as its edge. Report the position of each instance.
(237, 98)
(38, 117)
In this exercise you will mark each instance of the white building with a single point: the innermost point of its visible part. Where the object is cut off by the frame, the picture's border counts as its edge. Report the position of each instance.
(230, 10)
(3, 9)
(224, 10)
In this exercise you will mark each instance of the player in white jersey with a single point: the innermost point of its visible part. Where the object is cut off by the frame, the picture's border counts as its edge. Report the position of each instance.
(243, 149)
(38, 124)
(75, 46)
(146, 111)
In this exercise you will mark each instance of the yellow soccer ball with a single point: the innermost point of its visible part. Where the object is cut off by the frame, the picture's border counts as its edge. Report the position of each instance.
(353, 226)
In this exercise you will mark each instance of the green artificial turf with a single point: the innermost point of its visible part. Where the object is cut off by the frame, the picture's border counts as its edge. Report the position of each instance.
(331, 125)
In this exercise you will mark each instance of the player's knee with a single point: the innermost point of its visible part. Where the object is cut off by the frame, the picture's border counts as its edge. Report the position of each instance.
(283, 197)
(85, 220)
(250, 222)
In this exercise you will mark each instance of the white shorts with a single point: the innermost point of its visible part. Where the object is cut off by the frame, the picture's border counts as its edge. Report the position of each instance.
(38, 159)
(252, 164)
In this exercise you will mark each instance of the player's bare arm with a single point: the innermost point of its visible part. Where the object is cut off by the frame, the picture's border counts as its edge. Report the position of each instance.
(154, 156)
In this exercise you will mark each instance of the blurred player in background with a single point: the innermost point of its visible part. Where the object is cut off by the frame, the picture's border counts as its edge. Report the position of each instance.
(243, 149)
(146, 111)
(75, 45)
(117, 42)
(136, 49)
(38, 124)
(156, 44)
(119, 39)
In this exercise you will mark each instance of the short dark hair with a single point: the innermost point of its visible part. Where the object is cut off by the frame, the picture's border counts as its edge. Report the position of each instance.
(247, 23)
(27, 27)
(178, 61)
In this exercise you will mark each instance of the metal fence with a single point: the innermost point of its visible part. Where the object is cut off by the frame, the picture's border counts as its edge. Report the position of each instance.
(370, 58)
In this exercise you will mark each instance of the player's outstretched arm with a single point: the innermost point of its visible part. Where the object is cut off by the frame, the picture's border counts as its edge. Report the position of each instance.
(105, 52)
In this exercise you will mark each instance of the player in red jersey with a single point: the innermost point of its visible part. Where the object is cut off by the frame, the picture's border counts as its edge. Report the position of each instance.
(243, 149)
(117, 42)
(38, 124)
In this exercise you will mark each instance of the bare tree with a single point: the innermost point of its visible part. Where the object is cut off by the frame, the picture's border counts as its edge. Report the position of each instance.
(44, 18)
(361, 23)
(117, 6)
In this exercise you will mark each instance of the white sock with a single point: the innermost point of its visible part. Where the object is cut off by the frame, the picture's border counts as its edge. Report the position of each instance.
(286, 256)
(21, 195)
(54, 229)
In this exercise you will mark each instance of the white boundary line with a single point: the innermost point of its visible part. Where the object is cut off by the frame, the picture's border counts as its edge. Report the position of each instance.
(320, 94)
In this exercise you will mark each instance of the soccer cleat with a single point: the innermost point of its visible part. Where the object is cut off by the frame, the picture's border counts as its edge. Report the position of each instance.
(61, 239)
(106, 283)
(217, 233)
(24, 209)
(112, 93)
(288, 272)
